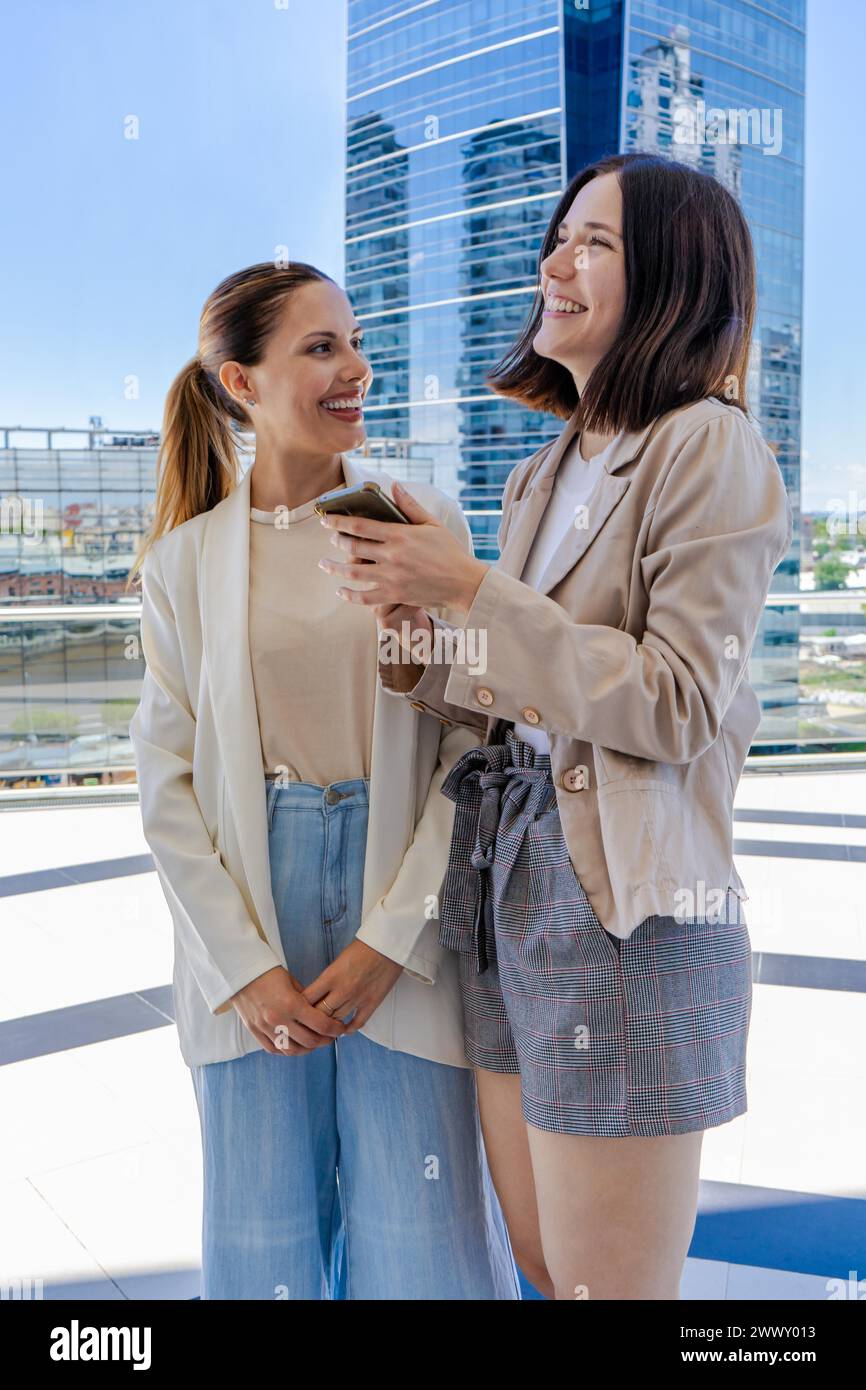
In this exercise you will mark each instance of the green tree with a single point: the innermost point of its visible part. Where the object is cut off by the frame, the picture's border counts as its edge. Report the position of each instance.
(45, 721)
(116, 715)
(831, 574)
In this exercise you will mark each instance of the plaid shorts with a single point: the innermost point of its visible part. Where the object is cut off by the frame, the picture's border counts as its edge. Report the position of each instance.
(644, 1036)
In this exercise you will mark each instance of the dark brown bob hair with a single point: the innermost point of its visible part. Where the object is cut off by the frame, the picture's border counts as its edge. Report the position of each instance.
(689, 312)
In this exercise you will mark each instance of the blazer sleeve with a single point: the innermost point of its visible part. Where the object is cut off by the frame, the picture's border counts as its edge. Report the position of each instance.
(397, 925)
(720, 524)
(400, 925)
(223, 945)
(425, 683)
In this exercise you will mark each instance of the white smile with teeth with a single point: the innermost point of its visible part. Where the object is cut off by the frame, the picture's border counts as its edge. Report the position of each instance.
(563, 306)
(350, 403)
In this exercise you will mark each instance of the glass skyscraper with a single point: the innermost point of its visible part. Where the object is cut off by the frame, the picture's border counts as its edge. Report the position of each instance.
(465, 120)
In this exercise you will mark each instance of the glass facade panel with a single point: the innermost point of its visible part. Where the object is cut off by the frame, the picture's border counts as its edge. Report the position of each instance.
(453, 165)
(68, 688)
(72, 520)
(720, 84)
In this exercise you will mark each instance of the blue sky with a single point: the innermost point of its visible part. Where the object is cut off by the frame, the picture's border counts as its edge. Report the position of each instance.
(108, 246)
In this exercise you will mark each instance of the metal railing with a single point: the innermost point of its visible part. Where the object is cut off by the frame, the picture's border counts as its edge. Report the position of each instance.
(812, 601)
(22, 612)
(130, 439)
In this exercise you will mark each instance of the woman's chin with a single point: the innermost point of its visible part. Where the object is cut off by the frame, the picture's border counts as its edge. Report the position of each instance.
(542, 345)
(348, 436)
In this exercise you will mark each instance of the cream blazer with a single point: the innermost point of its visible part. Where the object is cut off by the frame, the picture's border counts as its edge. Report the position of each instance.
(632, 655)
(195, 738)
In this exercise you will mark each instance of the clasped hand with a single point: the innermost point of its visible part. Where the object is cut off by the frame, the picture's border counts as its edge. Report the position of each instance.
(287, 1019)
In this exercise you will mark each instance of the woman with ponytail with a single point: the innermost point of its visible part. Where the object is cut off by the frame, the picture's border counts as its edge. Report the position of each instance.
(294, 813)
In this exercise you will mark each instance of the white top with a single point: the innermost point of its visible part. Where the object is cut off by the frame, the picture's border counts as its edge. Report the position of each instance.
(574, 481)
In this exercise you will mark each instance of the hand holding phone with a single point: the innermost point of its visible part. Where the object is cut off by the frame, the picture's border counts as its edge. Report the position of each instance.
(365, 499)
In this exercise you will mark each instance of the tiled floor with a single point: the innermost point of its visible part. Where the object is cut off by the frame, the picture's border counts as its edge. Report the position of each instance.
(100, 1171)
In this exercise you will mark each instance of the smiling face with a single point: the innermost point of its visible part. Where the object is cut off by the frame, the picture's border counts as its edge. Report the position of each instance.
(314, 355)
(583, 280)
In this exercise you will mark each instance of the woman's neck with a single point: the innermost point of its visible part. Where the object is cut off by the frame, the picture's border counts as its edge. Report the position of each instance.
(291, 480)
(591, 443)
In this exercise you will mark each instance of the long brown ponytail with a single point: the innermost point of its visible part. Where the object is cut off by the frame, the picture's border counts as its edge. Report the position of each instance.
(197, 462)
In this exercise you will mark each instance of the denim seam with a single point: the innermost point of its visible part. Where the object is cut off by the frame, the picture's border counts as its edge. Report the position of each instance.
(273, 790)
(344, 1202)
(323, 889)
(341, 887)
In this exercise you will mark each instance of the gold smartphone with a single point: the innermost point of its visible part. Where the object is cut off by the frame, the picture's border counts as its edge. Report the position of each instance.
(363, 499)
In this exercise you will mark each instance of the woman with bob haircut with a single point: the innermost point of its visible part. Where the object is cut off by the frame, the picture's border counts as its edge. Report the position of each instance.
(591, 893)
(294, 815)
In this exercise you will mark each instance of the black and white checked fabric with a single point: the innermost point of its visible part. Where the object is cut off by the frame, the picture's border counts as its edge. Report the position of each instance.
(639, 1037)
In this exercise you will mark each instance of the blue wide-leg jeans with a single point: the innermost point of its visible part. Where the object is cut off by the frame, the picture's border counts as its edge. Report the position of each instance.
(354, 1171)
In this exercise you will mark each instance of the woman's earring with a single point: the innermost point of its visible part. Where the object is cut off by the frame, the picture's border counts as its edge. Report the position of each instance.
(250, 402)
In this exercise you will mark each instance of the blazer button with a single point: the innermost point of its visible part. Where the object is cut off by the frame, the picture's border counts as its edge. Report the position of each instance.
(573, 779)
(484, 696)
(530, 715)
(416, 705)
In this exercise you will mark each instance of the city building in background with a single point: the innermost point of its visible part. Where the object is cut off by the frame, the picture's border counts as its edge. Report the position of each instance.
(74, 505)
(464, 124)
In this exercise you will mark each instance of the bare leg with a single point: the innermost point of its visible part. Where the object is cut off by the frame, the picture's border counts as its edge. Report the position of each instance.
(616, 1215)
(508, 1155)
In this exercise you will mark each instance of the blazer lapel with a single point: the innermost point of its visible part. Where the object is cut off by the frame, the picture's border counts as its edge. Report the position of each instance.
(527, 511)
(608, 491)
(224, 598)
(598, 506)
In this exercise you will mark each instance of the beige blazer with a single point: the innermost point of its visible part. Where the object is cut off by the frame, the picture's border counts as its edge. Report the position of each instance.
(198, 755)
(632, 655)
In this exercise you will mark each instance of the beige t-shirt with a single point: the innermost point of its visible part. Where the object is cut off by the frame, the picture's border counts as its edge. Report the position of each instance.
(313, 655)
